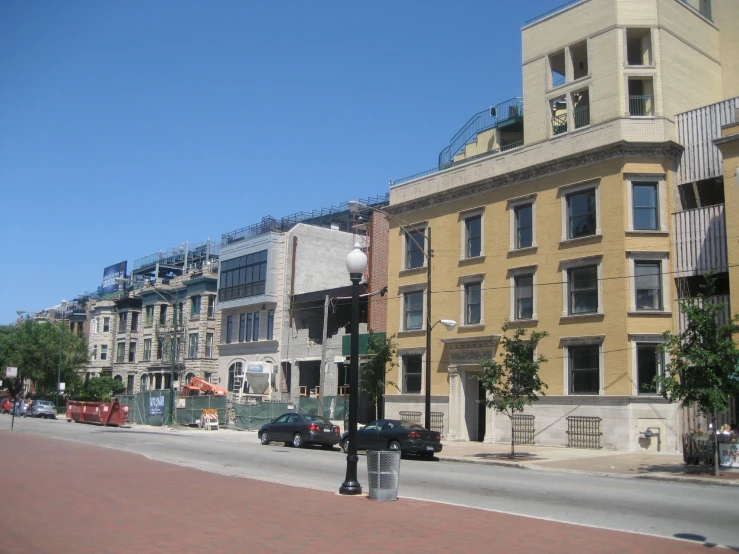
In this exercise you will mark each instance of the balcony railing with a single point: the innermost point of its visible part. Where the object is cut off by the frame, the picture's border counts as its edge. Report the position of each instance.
(581, 116)
(723, 317)
(700, 241)
(559, 124)
(641, 105)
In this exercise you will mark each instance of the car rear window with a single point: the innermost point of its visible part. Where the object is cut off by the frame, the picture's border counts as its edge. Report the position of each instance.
(411, 425)
(45, 403)
(317, 419)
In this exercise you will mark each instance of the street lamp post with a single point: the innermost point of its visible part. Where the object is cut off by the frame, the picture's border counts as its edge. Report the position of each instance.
(61, 344)
(355, 207)
(356, 263)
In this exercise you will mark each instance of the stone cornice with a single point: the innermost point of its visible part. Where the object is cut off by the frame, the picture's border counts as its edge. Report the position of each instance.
(484, 341)
(621, 149)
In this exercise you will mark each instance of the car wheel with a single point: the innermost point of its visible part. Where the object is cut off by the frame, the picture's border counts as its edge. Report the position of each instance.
(394, 445)
(345, 446)
(265, 438)
(298, 440)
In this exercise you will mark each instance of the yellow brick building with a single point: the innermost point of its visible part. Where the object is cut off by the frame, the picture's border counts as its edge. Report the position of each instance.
(562, 218)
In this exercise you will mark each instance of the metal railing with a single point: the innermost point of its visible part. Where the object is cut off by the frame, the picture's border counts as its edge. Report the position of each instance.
(481, 121)
(559, 124)
(581, 116)
(641, 105)
(700, 240)
(523, 429)
(583, 432)
(552, 11)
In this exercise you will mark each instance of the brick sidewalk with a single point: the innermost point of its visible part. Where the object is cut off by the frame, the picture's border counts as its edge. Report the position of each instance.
(73, 498)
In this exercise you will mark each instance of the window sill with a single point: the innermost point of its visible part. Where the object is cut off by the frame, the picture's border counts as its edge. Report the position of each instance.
(575, 317)
(523, 251)
(471, 326)
(597, 236)
(413, 271)
(412, 333)
(647, 233)
(654, 313)
(471, 261)
(523, 322)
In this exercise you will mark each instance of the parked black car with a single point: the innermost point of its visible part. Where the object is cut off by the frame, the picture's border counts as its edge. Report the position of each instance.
(395, 434)
(299, 430)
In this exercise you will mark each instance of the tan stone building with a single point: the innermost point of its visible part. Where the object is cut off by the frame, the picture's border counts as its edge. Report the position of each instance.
(559, 218)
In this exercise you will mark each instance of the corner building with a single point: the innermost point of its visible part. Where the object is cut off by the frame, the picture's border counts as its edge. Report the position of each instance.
(554, 212)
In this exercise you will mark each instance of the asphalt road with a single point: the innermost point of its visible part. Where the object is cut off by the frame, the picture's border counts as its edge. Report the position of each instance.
(668, 509)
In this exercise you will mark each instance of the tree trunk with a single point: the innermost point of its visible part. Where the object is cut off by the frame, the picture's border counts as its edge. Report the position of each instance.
(715, 445)
(513, 441)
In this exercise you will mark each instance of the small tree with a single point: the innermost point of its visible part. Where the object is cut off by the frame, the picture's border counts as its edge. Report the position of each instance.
(701, 369)
(513, 383)
(374, 371)
(101, 389)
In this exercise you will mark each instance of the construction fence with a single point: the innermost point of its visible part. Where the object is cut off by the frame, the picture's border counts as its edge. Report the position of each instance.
(250, 417)
(150, 407)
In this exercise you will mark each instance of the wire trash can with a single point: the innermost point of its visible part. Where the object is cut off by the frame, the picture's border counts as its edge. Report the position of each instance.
(383, 469)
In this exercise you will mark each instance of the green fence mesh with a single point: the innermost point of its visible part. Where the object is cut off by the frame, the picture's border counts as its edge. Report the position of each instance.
(190, 413)
(150, 407)
(250, 417)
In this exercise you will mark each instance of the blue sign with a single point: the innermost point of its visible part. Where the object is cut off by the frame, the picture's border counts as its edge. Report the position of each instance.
(110, 274)
(156, 405)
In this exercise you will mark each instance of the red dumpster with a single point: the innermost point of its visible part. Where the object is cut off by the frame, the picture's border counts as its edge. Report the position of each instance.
(100, 413)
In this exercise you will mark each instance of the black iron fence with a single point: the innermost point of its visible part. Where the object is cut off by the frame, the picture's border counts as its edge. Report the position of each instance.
(583, 432)
(523, 429)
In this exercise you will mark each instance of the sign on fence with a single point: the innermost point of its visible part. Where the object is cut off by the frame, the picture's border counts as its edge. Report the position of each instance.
(156, 405)
(728, 453)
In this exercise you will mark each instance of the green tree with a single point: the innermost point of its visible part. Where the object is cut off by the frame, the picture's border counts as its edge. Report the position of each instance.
(701, 369)
(513, 383)
(373, 372)
(33, 347)
(101, 389)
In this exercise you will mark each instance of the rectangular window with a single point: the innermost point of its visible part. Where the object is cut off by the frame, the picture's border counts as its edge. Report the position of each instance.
(122, 321)
(412, 374)
(129, 384)
(649, 361)
(97, 325)
(181, 306)
(244, 276)
(149, 316)
(413, 310)
(524, 291)
(581, 214)
(473, 232)
(121, 352)
(270, 324)
(131, 352)
(472, 303)
(242, 327)
(255, 336)
(524, 226)
(583, 290)
(160, 349)
(584, 369)
(192, 351)
(249, 318)
(134, 321)
(147, 350)
(211, 306)
(106, 325)
(95, 352)
(209, 345)
(415, 242)
(104, 352)
(163, 315)
(195, 307)
(229, 327)
(646, 213)
(648, 285)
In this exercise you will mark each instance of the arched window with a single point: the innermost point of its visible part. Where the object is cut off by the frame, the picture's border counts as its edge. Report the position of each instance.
(189, 377)
(118, 378)
(234, 369)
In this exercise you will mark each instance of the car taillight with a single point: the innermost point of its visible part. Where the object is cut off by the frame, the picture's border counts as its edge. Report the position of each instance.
(414, 435)
(337, 431)
(313, 427)
(437, 436)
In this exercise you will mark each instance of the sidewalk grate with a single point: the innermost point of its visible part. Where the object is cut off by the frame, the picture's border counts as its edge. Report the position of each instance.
(583, 432)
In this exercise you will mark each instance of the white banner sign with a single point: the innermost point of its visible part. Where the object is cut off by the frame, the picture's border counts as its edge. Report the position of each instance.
(61, 387)
(728, 453)
(11, 372)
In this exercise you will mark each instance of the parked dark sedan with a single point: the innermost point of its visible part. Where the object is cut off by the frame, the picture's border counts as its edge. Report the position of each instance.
(395, 434)
(299, 430)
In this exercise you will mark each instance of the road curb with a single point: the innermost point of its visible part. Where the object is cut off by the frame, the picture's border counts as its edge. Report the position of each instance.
(649, 476)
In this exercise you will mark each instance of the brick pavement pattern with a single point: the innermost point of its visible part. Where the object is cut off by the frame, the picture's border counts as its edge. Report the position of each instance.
(75, 498)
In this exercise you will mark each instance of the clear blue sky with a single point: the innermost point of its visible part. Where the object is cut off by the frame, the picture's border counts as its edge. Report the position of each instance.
(130, 127)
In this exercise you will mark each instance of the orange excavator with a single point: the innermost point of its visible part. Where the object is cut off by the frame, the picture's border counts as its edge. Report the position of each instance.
(198, 387)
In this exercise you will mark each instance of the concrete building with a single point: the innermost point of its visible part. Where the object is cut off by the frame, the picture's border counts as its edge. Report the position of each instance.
(558, 218)
(276, 326)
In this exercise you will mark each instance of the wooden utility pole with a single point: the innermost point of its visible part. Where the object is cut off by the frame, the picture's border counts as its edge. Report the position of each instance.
(322, 376)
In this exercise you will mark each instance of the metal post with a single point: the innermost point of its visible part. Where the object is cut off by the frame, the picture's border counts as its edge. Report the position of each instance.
(173, 355)
(351, 484)
(59, 371)
(324, 362)
(427, 419)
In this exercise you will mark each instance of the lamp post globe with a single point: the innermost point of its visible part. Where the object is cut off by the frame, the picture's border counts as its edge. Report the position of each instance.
(356, 263)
